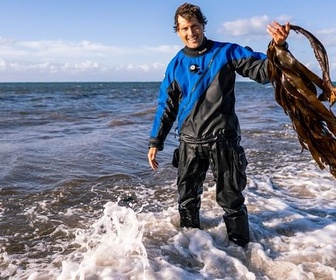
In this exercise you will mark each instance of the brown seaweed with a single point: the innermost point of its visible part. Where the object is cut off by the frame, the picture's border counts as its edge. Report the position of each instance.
(296, 91)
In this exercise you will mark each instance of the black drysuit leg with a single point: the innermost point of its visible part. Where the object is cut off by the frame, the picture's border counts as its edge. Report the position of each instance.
(192, 170)
(228, 163)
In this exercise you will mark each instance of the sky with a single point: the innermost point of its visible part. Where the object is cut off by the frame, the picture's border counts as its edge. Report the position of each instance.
(129, 40)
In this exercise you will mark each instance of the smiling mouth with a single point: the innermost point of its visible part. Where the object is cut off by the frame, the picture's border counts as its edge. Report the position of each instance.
(193, 40)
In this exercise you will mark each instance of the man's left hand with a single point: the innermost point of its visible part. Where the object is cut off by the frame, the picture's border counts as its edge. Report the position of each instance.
(278, 32)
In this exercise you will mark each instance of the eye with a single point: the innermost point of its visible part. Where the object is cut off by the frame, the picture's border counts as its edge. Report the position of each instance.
(196, 27)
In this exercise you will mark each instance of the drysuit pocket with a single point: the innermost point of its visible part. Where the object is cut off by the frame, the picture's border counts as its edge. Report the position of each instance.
(175, 160)
(239, 164)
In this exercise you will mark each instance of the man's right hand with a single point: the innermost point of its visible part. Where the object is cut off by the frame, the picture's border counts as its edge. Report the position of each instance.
(152, 158)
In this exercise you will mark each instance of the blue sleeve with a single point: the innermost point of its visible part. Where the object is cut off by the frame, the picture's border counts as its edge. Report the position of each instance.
(250, 64)
(167, 108)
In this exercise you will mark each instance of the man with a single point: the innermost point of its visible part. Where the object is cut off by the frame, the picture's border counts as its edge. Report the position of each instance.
(198, 91)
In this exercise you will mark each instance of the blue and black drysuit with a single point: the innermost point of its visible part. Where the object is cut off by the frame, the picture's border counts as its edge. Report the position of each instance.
(198, 91)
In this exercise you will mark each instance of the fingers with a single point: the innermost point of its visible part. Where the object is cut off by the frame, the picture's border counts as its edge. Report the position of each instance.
(287, 27)
(154, 164)
(278, 32)
(152, 158)
(275, 28)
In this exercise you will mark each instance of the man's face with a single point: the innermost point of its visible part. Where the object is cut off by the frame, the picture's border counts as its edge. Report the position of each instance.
(191, 32)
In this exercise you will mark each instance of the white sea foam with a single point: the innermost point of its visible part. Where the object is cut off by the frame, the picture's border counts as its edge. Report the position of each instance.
(291, 238)
(293, 233)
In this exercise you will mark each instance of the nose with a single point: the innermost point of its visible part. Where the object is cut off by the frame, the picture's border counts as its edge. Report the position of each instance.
(190, 31)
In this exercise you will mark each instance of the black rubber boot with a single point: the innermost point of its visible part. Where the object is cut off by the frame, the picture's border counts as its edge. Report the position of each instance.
(189, 218)
(238, 227)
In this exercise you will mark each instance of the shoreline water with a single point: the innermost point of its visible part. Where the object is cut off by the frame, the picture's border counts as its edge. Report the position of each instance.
(78, 199)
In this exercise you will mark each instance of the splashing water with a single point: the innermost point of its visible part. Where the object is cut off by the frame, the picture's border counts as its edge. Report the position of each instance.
(112, 247)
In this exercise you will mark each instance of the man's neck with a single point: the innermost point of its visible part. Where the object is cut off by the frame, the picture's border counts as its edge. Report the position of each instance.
(203, 48)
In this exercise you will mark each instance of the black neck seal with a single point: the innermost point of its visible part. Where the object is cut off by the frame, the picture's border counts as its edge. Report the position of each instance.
(202, 49)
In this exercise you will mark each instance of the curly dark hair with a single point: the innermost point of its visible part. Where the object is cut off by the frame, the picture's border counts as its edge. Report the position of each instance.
(188, 11)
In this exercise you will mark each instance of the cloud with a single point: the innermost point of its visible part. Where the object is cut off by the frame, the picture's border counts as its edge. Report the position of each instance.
(53, 50)
(58, 51)
(164, 49)
(2, 64)
(42, 59)
(250, 26)
(80, 67)
(327, 37)
(330, 31)
(6, 41)
(254, 26)
(146, 67)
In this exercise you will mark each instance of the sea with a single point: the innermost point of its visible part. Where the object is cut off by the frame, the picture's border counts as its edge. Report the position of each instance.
(78, 199)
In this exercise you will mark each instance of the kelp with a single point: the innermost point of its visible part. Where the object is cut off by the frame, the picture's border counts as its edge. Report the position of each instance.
(296, 91)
